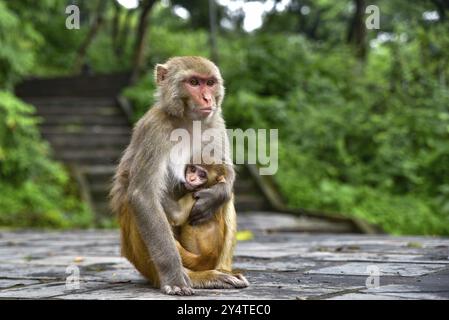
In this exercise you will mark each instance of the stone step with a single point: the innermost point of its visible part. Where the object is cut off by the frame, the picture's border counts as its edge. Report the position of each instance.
(70, 102)
(89, 110)
(98, 85)
(87, 141)
(245, 202)
(102, 209)
(245, 186)
(100, 192)
(99, 169)
(99, 156)
(86, 130)
(83, 120)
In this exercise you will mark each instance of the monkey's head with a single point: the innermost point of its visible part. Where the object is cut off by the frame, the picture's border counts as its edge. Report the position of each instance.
(189, 87)
(203, 176)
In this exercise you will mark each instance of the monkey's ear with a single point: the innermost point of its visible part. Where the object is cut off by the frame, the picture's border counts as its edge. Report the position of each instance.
(160, 73)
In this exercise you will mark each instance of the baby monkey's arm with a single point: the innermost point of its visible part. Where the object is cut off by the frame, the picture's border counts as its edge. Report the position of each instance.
(178, 212)
(172, 209)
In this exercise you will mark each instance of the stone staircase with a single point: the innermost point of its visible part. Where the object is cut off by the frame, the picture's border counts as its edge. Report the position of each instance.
(88, 131)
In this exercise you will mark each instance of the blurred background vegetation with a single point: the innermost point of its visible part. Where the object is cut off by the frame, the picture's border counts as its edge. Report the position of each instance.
(363, 115)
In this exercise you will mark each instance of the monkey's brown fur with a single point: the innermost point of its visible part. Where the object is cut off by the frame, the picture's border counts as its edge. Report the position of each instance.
(143, 174)
(206, 246)
(206, 250)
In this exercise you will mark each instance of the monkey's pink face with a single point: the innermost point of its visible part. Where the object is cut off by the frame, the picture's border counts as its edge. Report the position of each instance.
(196, 177)
(202, 89)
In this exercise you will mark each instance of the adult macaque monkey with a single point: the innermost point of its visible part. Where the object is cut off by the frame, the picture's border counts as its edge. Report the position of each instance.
(188, 89)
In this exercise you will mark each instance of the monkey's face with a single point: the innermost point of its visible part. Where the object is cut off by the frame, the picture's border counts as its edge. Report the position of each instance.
(189, 87)
(196, 177)
(202, 91)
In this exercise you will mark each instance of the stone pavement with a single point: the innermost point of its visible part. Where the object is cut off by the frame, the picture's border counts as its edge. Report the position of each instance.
(279, 265)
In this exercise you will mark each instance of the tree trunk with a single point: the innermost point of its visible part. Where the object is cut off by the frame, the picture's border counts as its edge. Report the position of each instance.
(124, 34)
(213, 31)
(357, 30)
(140, 44)
(115, 27)
(97, 23)
(441, 6)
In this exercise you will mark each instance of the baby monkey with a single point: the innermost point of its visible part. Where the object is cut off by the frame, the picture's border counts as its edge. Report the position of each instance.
(200, 245)
(197, 177)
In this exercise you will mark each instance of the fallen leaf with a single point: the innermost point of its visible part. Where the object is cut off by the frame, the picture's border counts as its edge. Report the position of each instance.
(78, 259)
(244, 235)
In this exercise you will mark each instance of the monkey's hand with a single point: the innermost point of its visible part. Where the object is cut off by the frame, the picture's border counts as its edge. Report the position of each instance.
(208, 202)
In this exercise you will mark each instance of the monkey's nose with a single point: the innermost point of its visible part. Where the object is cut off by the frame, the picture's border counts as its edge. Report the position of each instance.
(207, 98)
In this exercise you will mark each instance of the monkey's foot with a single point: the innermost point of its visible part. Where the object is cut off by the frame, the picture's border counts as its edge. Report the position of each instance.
(175, 290)
(181, 288)
(213, 279)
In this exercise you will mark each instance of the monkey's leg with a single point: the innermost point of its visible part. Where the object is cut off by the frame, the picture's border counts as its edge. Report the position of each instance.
(221, 277)
(191, 260)
(230, 222)
(133, 248)
(201, 257)
(229, 216)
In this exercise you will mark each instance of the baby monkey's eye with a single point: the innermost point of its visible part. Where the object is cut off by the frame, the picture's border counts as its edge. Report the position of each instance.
(194, 82)
(192, 169)
(210, 82)
(202, 174)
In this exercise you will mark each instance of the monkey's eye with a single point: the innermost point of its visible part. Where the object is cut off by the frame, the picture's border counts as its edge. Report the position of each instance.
(194, 82)
(192, 169)
(202, 174)
(210, 82)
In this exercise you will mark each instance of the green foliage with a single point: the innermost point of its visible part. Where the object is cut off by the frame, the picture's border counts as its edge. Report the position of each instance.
(141, 95)
(366, 139)
(166, 44)
(17, 39)
(370, 143)
(35, 191)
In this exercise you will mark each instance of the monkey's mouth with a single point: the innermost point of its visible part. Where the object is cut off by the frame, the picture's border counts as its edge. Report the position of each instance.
(205, 111)
(188, 186)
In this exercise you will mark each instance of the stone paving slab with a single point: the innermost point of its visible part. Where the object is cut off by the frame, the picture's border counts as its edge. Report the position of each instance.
(279, 265)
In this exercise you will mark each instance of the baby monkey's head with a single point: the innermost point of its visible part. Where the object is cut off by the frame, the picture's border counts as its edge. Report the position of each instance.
(203, 176)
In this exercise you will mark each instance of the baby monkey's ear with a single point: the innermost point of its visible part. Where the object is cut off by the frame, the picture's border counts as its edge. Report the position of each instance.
(221, 179)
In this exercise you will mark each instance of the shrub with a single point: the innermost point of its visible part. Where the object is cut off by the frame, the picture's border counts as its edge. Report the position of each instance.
(35, 190)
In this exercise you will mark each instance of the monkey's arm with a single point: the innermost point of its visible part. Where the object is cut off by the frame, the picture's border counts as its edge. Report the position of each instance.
(211, 199)
(178, 211)
(144, 193)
